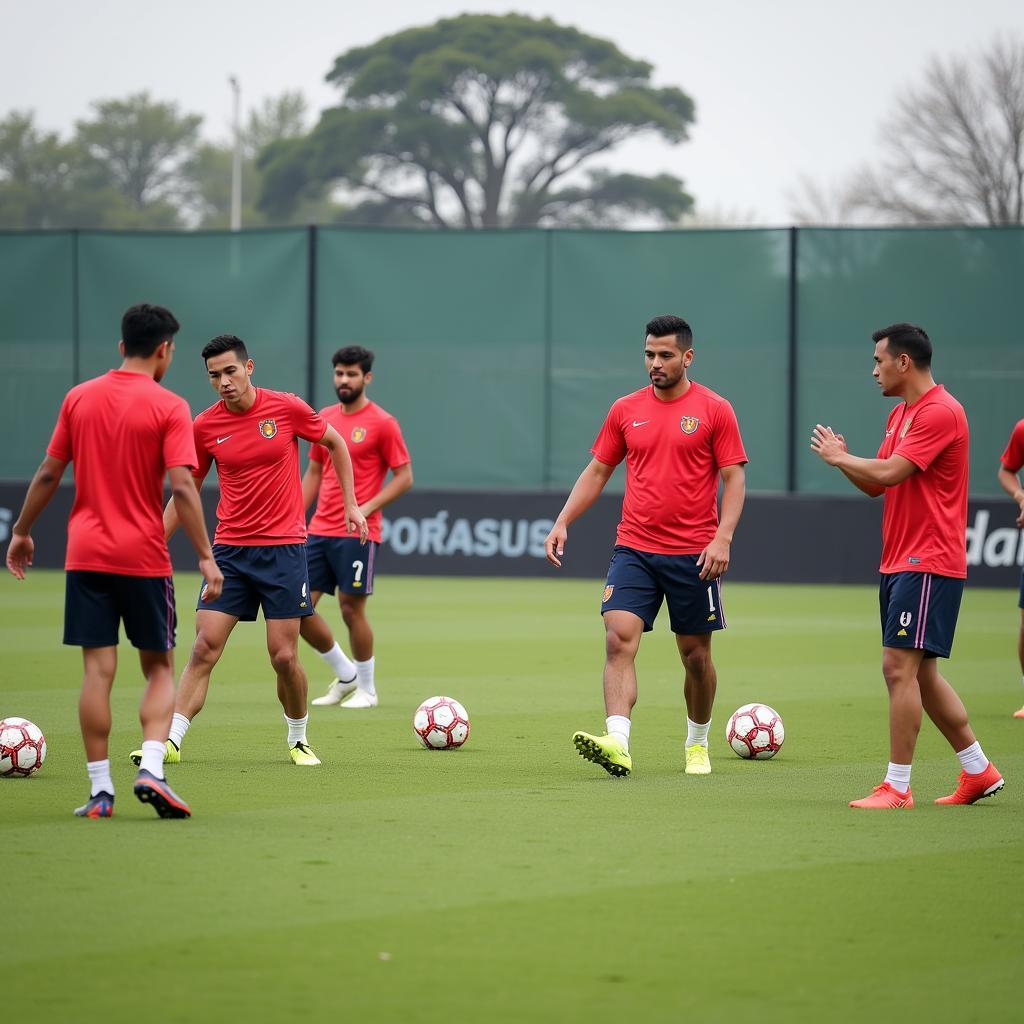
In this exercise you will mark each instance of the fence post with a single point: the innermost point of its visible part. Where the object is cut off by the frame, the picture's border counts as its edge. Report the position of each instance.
(793, 352)
(311, 315)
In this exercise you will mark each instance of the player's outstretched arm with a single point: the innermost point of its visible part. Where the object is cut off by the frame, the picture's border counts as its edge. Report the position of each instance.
(872, 476)
(40, 491)
(1010, 482)
(584, 493)
(400, 482)
(188, 509)
(342, 462)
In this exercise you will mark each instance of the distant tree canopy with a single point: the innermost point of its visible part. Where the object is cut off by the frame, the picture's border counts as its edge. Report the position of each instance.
(137, 162)
(952, 150)
(484, 121)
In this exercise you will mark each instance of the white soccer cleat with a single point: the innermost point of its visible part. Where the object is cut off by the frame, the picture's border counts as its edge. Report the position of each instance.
(336, 693)
(361, 699)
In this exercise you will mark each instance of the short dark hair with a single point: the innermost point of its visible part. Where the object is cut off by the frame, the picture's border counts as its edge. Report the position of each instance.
(225, 343)
(910, 339)
(663, 326)
(144, 328)
(349, 355)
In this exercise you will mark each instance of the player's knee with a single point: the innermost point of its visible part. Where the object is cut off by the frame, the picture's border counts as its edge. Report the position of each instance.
(205, 650)
(618, 645)
(697, 659)
(896, 670)
(284, 659)
(351, 612)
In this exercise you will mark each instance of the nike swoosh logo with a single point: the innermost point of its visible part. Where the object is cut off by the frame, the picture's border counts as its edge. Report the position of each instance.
(221, 440)
(640, 423)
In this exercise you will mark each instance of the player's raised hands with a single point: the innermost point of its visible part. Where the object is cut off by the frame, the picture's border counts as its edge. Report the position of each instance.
(19, 554)
(827, 444)
(554, 544)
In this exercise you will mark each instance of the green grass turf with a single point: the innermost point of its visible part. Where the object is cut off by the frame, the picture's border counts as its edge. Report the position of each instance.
(511, 880)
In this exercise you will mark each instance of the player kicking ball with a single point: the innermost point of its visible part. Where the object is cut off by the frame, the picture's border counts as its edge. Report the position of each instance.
(678, 438)
(922, 469)
(260, 544)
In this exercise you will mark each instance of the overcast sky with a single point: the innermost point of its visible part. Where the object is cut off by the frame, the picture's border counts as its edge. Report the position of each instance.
(783, 89)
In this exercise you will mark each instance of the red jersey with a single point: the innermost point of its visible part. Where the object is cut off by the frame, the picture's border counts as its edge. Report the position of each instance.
(674, 451)
(924, 522)
(376, 445)
(1013, 458)
(122, 432)
(257, 456)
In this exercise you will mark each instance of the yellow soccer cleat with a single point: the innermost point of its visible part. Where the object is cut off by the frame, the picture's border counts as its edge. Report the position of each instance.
(172, 755)
(606, 751)
(303, 754)
(698, 761)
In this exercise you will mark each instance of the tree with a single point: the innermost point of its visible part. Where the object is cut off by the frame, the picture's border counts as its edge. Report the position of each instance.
(142, 149)
(484, 121)
(42, 184)
(954, 145)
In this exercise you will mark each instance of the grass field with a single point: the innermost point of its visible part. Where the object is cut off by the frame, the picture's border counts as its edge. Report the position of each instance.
(510, 880)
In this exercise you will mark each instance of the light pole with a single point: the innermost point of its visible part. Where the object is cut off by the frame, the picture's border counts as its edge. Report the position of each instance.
(236, 163)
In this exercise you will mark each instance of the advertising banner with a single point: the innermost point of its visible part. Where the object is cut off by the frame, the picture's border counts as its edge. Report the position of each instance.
(781, 538)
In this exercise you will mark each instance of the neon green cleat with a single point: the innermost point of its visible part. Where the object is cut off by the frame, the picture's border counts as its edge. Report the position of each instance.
(172, 755)
(303, 754)
(698, 762)
(606, 751)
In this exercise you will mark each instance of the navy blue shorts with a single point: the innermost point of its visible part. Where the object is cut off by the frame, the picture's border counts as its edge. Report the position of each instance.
(269, 575)
(340, 563)
(919, 610)
(638, 582)
(96, 603)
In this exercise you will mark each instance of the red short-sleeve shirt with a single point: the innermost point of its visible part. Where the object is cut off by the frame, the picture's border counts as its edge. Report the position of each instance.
(257, 456)
(121, 432)
(924, 521)
(376, 445)
(674, 452)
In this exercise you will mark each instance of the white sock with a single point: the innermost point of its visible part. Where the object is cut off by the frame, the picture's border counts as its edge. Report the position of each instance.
(344, 667)
(179, 726)
(973, 759)
(618, 726)
(696, 733)
(99, 777)
(364, 677)
(898, 776)
(296, 729)
(153, 757)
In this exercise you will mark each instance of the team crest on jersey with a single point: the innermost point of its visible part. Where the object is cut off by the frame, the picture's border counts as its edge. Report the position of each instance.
(358, 435)
(268, 428)
(607, 594)
(688, 424)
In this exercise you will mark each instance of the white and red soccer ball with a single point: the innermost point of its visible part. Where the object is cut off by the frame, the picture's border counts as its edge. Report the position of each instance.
(22, 747)
(441, 723)
(755, 732)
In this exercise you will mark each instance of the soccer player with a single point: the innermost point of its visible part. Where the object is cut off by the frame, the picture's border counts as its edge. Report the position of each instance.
(337, 559)
(260, 544)
(921, 468)
(677, 437)
(1010, 466)
(125, 434)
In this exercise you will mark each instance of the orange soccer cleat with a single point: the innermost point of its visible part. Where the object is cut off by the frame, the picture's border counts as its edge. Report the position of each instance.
(971, 788)
(884, 796)
(1019, 713)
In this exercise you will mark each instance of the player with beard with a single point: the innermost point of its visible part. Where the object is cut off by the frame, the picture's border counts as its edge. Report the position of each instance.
(678, 438)
(338, 560)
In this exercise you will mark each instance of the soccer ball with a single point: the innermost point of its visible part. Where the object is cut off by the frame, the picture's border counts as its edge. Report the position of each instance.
(441, 723)
(22, 747)
(755, 731)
